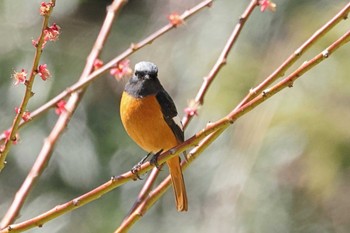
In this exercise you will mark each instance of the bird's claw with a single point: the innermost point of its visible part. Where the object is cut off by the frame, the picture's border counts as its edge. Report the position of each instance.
(135, 170)
(154, 159)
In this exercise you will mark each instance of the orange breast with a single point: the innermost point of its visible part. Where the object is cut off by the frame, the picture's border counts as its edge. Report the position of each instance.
(144, 122)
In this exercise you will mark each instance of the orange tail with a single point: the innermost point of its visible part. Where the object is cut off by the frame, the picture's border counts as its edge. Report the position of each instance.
(178, 184)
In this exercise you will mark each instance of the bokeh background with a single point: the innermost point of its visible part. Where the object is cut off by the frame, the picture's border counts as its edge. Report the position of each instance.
(284, 167)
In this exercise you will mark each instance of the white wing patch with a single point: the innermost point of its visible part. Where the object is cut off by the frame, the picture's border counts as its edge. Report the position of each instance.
(177, 121)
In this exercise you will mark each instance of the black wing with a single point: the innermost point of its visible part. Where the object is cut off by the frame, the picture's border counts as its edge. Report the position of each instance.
(169, 112)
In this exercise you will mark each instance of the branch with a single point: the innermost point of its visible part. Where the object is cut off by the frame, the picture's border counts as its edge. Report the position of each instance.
(84, 81)
(288, 81)
(235, 114)
(163, 187)
(46, 151)
(195, 141)
(98, 192)
(97, 73)
(200, 95)
(280, 71)
(221, 61)
(28, 92)
(146, 188)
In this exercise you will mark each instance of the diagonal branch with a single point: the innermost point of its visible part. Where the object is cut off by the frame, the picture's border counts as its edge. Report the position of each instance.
(235, 114)
(97, 73)
(46, 151)
(200, 95)
(280, 71)
(28, 92)
(163, 187)
(196, 140)
(221, 61)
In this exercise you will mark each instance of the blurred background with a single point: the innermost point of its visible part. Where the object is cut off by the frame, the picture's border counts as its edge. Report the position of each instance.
(284, 167)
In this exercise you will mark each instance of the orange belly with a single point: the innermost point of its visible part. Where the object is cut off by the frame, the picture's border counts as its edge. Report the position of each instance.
(144, 122)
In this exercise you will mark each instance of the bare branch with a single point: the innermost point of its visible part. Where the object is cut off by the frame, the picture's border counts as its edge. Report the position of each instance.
(96, 74)
(28, 92)
(212, 130)
(46, 151)
(287, 82)
(280, 71)
(200, 95)
(221, 61)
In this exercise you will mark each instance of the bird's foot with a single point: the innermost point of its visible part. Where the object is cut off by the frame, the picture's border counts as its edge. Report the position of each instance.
(154, 159)
(135, 169)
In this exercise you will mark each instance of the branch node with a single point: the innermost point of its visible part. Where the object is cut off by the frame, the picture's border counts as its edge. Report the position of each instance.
(76, 202)
(252, 91)
(325, 53)
(208, 125)
(298, 52)
(265, 92)
(134, 46)
(69, 90)
(14, 138)
(224, 61)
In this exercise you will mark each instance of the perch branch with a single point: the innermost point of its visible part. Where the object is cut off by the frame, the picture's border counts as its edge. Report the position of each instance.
(46, 151)
(201, 93)
(97, 73)
(287, 82)
(218, 126)
(153, 196)
(82, 83)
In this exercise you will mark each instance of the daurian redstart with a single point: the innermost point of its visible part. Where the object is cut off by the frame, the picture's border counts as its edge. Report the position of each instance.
(147, 113)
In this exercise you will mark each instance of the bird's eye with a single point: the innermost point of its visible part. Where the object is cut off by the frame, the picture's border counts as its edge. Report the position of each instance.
(139, 73)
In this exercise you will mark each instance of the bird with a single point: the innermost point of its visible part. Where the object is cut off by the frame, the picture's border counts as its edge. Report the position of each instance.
(147, 113)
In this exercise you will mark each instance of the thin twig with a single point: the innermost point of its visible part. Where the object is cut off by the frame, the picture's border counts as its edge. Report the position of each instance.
(218, 126)
(71, 105)
(201, 93)
(163, 187)
(288, 81)
(235, 114)
(146, 188)
(280, 71)
(221, 61)
(97, 73)
(46, 151)
(44, 155)
(28, 92)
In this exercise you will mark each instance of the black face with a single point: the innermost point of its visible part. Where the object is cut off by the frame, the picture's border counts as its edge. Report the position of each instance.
(142, 75)
(145, 81)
